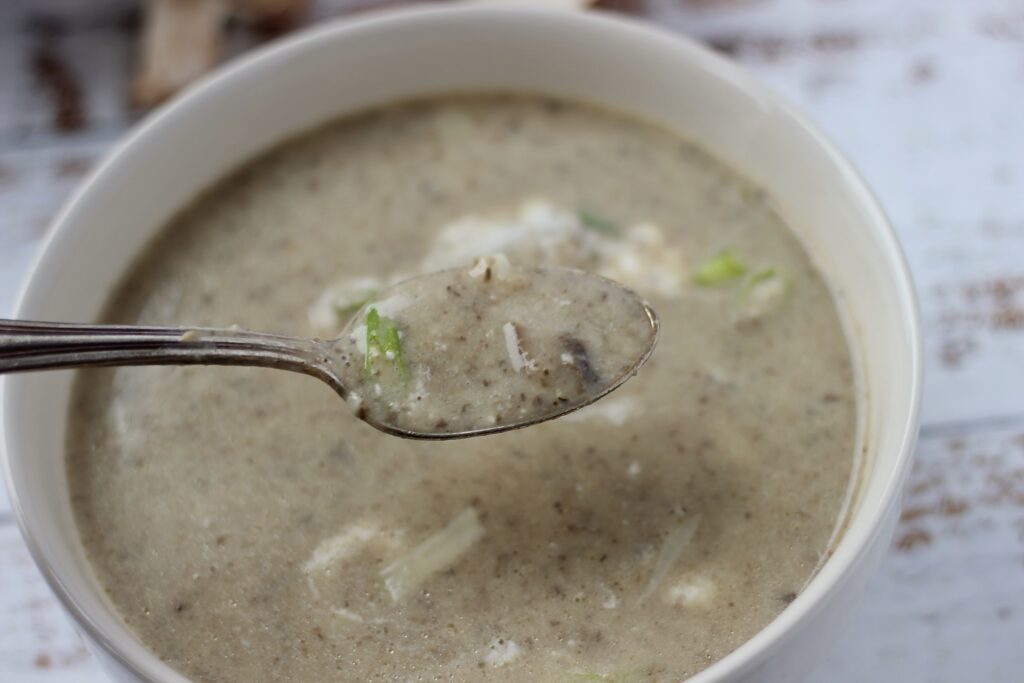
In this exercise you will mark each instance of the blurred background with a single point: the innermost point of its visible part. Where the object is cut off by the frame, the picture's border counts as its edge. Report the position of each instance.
(926, 97)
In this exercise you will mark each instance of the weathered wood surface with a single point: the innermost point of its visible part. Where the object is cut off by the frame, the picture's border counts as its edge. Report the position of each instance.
(926, 96)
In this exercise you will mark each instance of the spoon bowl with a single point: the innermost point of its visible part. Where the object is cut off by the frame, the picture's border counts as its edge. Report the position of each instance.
(491, 347)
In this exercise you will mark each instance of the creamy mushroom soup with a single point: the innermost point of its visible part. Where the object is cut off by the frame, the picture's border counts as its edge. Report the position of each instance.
(489, 345)
(250, 528)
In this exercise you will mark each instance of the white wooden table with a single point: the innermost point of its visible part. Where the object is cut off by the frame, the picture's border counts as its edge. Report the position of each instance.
(926, 96)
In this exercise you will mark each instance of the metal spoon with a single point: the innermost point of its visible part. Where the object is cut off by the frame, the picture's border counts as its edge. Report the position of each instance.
(28, 346)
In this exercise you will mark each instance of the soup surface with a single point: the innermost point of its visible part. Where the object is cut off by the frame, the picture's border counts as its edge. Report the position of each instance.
(250, 528)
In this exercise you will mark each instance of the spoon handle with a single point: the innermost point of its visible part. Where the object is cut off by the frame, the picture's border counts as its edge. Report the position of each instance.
(27, 345)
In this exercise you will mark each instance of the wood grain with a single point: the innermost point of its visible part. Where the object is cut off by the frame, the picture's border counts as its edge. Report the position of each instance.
(37, 642)
(925, 97)
(948, 604)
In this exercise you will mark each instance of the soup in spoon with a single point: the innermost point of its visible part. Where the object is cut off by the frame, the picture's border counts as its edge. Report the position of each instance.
(491, 346)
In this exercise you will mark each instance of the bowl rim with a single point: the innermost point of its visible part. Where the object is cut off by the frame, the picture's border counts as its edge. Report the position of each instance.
(849, 552)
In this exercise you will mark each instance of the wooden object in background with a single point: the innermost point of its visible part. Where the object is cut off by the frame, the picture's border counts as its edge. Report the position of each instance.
(283, 12)
(183, 39)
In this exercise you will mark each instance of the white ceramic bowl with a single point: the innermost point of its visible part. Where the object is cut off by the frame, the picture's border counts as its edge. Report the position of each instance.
(342, 67)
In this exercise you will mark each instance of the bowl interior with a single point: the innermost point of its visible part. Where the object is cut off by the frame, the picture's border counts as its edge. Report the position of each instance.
(339, 68)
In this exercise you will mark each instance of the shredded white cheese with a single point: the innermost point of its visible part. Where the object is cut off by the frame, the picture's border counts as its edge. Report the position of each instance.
(358, 335)
(538, 232)
(340, 546)
(498, 265)
(611, 600)
(500, 652)
(516, 356)
(357, 618)
(765, 297)
(439, 551)
(537, 226)
(670, 550)
(479, 268)
(391, 307)
(324, 314)
(693, 592)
